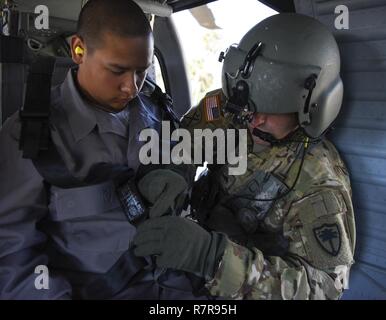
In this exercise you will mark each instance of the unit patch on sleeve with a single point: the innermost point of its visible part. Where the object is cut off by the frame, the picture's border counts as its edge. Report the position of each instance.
(329, 238)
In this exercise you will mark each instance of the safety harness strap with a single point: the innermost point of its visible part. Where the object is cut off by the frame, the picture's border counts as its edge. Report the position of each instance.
(13, 57)
(165, 101)
(35, 133)
(11, 49)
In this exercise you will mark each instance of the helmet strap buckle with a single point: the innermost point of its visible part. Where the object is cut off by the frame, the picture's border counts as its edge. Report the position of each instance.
(310, 85)
(238, 101)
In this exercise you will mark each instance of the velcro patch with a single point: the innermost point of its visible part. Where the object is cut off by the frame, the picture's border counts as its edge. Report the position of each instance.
(320, 229)
(329, 238)
(212, 105)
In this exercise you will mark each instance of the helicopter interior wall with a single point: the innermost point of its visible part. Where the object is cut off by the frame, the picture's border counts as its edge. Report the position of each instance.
(360, 132)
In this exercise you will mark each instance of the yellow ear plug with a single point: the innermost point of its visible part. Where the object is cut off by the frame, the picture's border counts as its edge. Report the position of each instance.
(306, 143)
(79, 50)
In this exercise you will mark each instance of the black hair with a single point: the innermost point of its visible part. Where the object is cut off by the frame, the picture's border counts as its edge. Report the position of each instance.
(120, 17)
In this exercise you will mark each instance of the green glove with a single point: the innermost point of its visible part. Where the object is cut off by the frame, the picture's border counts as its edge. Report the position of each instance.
(161, 187)
(179, 243)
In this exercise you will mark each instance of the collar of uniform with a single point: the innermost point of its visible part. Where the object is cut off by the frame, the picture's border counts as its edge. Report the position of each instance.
(278, 158)
(140, 113)
(112, 122)
(286, 156)
(80, 114)
(143, 114)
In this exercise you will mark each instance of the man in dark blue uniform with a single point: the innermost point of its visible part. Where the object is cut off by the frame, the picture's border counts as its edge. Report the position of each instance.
(79, 231)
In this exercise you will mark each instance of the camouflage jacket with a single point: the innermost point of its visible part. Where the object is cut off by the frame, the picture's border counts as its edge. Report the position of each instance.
(299, 246)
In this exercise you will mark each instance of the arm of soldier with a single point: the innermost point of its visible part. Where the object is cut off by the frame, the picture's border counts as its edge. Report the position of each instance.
(318, 263)
(208, 115)
(23, 203)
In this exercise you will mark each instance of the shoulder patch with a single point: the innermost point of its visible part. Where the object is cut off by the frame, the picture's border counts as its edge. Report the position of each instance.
(329, 238)
(319, 229)
(212, 105)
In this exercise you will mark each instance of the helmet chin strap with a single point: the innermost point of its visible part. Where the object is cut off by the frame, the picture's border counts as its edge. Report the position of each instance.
(265, 136)
(268, 137)
(297, 135)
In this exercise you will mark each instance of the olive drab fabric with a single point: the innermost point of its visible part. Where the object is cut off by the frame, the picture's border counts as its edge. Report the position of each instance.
(299, 246)
(195, 118)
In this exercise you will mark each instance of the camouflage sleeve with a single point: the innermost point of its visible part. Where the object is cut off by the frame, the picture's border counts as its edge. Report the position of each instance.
(207, 114)
(316, 266)
(207, 125)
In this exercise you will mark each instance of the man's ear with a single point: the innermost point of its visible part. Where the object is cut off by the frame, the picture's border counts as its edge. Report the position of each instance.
(77, 49)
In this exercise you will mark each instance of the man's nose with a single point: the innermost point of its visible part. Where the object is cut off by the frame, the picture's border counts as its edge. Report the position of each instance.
(129, 85)
(258, 119)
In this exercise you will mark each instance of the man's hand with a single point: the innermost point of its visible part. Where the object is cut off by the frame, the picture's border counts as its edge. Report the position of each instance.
(161, 187)
(181, 244)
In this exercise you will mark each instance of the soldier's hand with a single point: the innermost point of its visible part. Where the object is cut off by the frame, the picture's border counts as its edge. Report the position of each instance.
(161, 187)
(181, 244)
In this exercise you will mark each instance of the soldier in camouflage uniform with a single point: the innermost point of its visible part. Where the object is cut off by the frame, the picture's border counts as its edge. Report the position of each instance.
(285, 229)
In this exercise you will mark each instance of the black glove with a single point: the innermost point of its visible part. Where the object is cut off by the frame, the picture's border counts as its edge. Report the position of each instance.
(181, 244)
(161, 187)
